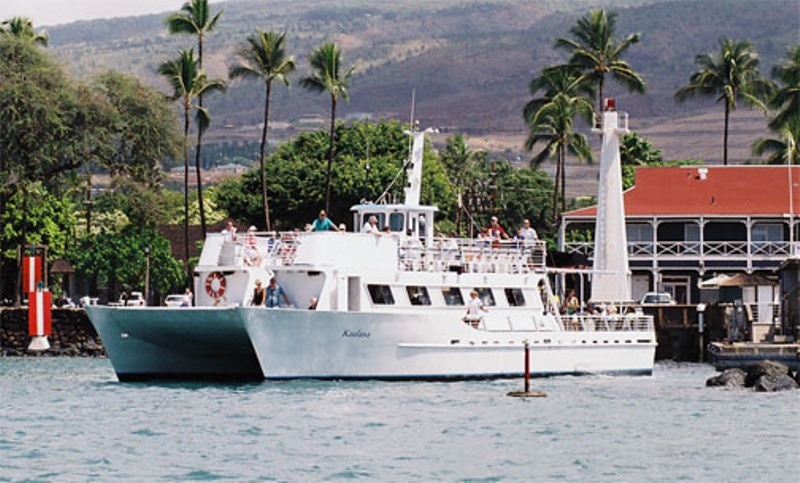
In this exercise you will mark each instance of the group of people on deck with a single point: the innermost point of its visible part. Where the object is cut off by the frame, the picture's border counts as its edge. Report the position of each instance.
(495, 233)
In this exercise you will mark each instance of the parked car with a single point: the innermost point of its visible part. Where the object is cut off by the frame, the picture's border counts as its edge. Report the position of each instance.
(657, 298)
(135, 300)
(177, 300)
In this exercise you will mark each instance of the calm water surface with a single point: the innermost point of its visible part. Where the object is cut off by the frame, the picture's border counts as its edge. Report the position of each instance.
(67, 419)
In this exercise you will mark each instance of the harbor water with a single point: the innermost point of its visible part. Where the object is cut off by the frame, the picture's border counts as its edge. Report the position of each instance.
(69, 419)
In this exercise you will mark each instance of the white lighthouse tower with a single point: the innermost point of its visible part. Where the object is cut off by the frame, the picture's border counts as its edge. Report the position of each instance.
(611, 280)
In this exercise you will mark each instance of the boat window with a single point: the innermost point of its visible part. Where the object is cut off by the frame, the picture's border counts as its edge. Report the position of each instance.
(515, 297)
(485, 293)
(381, 294)
(397, 222)
(380, 217)
(452, 296)
(418, 295)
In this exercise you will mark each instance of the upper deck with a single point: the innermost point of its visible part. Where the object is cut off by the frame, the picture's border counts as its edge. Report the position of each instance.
(375, 251)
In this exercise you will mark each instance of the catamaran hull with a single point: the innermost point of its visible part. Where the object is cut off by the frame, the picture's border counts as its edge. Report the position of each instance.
(182, 344)
(255, 344)
(340, 345)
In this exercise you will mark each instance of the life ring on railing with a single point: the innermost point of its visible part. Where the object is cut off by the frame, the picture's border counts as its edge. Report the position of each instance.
(215, 285)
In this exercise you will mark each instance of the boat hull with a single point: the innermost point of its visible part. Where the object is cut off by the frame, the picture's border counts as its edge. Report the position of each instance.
(254, 344)
(340, 345)
(176, 343)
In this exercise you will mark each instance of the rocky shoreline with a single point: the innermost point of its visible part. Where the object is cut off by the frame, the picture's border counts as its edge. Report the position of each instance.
(764, 376)
(73, 335)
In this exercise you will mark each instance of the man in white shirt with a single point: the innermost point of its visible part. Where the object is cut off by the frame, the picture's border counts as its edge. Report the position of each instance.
(528, 233)
(371, 226)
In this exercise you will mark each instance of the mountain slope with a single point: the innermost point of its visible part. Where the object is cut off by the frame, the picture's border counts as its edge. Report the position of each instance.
(469, 60)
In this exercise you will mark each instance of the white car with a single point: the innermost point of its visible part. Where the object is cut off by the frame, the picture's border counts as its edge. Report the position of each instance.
(135, 300)
(657, 298)
(177, 300)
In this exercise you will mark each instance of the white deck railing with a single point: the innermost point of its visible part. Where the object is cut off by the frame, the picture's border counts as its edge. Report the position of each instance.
(607, 323)
(441, 254)
(741, 249)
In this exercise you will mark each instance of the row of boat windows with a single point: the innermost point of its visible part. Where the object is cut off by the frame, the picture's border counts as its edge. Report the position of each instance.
(418, 295)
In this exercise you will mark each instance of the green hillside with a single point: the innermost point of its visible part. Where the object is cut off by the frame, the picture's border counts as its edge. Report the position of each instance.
(469, 60)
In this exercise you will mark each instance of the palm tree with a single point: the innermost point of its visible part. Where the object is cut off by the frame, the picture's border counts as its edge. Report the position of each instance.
(784, 149)
(327, 77)
(550, 121)
(194, 18)
(787, 96)
(22, 28)
(731, 75)
(264, 58)
(188, 83)
(595, 52)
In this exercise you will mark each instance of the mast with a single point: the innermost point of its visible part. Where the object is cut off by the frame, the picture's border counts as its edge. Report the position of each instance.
(611, 282)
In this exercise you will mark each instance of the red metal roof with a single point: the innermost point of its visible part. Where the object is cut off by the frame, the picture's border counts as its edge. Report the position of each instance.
(710, 190)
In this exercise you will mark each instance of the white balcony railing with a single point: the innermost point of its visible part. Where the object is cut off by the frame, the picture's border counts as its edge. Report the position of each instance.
(713, 249)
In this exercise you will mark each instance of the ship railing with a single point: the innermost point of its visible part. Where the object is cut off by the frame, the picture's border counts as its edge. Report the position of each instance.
(258, 248)
(468, 255)
(607, 323)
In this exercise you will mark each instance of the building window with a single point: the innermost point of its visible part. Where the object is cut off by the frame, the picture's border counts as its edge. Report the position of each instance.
(452, 296)
(381, 294)
(418, 295)
(515, 297)
(486, 295)
(771, 232)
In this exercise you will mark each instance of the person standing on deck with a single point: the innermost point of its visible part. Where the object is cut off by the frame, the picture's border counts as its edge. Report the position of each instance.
(322, 223)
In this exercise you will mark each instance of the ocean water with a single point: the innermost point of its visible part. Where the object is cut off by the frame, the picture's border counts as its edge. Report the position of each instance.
(64, 419)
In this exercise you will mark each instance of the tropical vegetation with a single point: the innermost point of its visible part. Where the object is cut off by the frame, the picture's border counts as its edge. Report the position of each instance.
(264, 58)
(731, 75)
(329, 76)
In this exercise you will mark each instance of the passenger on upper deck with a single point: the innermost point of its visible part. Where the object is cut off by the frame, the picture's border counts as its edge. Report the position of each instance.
(496, 233)
(528, 233)
(229, 231)
(371, 226)
(322, 223)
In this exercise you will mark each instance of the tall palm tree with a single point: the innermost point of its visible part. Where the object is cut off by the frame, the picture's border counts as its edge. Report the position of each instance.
(194, 18)
(595, 52)
(188, 83)
(327, 76)
(550, 121)
(264, 58)
(731, 75)
(22, 28)
(787, 96)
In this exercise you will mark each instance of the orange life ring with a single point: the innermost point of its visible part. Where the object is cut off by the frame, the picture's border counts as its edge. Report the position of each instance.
(215, 285)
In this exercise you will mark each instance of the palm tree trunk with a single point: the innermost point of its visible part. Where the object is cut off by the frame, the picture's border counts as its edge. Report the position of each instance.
(186, 191)
(330, 155)
(200, 145)
(199, 177)
(725, 135)
(600, 95)
(563, 157)
(264, 196)
(556, 185)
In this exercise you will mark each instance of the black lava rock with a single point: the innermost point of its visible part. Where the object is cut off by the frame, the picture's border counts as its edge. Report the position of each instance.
(775, 382)
(728, 378)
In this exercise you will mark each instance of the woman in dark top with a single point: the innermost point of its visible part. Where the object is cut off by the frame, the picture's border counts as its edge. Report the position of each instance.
(259, 295)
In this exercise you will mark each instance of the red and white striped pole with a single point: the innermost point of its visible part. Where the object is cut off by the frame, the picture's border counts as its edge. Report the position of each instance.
(39, 319)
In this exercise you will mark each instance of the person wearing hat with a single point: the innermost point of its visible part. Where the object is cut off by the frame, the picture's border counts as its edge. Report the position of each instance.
(322, 223)
(496, 232)
(259, 295)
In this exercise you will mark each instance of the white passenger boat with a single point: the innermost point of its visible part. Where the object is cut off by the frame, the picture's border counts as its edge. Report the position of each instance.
(389, 306)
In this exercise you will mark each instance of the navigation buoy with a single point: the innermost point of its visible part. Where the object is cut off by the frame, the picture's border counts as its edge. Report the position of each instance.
(527, 392)
(39, 319)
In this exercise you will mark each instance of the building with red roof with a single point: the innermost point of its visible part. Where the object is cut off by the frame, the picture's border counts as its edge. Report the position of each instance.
(687, 224)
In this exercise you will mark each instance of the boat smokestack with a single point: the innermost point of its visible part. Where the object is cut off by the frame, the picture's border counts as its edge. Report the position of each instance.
(612, 282)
